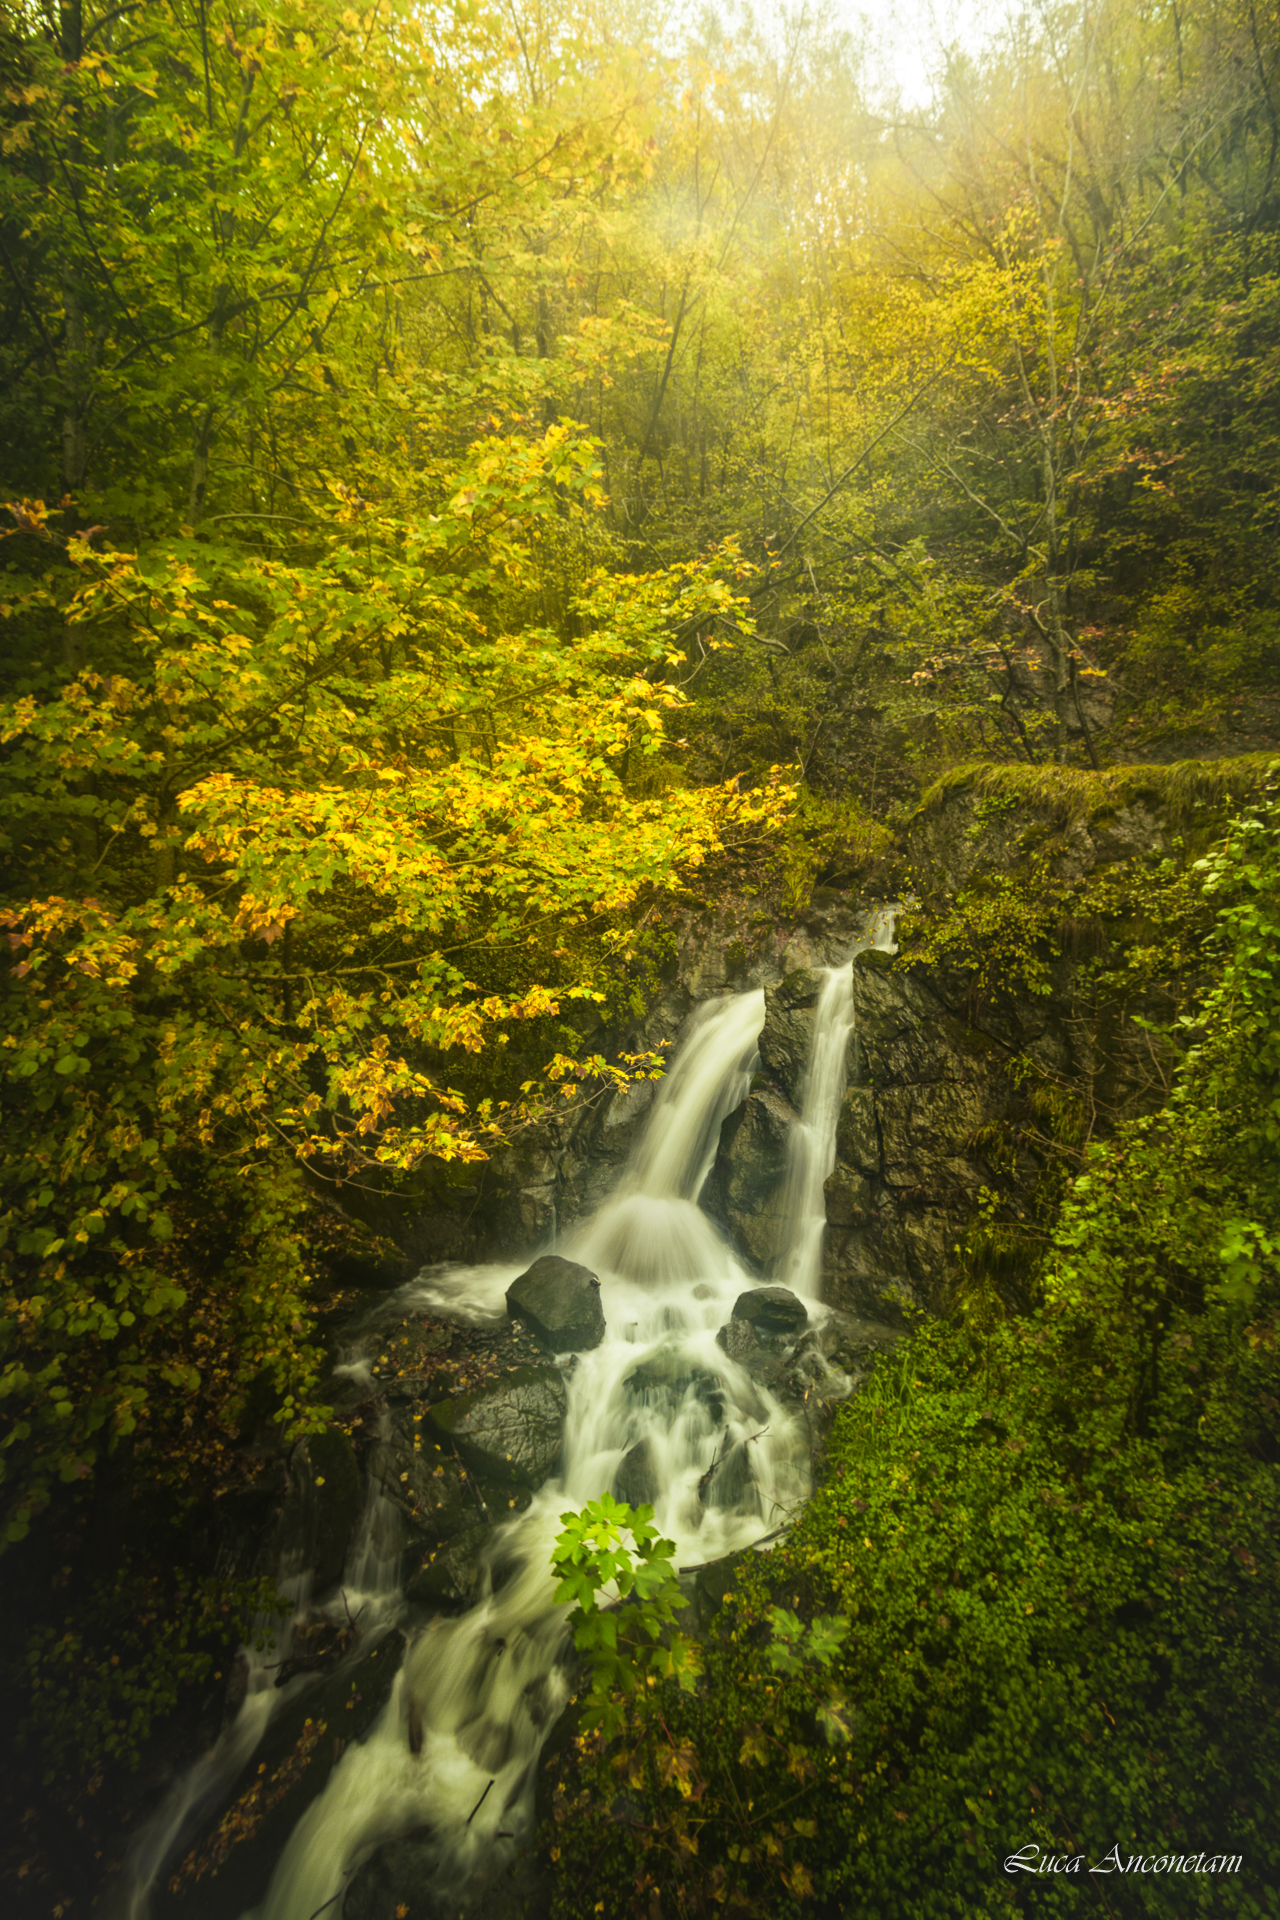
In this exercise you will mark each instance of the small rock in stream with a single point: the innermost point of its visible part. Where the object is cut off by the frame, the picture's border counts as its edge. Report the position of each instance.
(636, 1480)
(395, 1884)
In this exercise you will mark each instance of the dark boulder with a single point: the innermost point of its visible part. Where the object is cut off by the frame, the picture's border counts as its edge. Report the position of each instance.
(559, 1302)
(396, 1883)
(772, 1310)
(511, 1431)
(665, 1377)
(739, 1340)
(848, 1196)
(731, 1481)
(636, 1480)
(425, 1482)
(325, 1472)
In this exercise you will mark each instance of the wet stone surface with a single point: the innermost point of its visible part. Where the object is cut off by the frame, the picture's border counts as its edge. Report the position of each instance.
(559, 1302)
(772, 1310)
(512, 1430)
(425, 1482)
(786, 1039)
(395, 1884)
(636, 1480)
(666, 1376)
(325, 1466)
(746, 1188)
(449, 1577)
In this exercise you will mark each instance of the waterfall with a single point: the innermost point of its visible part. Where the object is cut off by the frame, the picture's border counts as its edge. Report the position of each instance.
(452, 1756)
(811, 1148)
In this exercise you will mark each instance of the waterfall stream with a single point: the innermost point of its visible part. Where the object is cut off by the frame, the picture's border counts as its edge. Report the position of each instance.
(455, 1748)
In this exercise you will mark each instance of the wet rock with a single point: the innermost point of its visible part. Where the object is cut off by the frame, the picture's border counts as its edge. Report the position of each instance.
(848, 1198)
(368, 1264)
(559, 1302)
(767, 1369)
(924, 1131)
(426, 1483)
(772, 1310)
(786, 1039)
(744, 1191)
(855, 1344)
(324, 1467)
(626, 1113)
(407, 1355)
(228, 1870)
(449, 1575)
(668, 1374)
(394, 1883)
(512, 1431)
(636, 1480)
(938, 1084)
(857, 1136)
(762, 1356)
(739, 1340)
(731, 1481)
(965, 835)
(520, 1193)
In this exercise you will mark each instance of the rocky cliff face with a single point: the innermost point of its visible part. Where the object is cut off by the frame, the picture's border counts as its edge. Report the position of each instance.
(936, 1096)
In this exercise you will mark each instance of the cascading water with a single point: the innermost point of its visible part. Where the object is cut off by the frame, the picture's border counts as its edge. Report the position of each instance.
(811, 1149)
(485, 1687)
(455, 1747)
(812, 1142)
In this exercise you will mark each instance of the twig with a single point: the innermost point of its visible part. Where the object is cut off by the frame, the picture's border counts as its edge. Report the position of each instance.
(700, 1566)
(346, 1874)
(474, 1811)
(716, 1465)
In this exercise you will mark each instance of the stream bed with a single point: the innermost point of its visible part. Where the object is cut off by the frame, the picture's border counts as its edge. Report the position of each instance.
(683, 1404)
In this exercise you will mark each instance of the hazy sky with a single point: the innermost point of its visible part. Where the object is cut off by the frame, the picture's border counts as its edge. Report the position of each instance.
(910, 32)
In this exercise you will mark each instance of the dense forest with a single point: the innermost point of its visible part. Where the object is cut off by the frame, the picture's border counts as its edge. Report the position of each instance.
(483, 488)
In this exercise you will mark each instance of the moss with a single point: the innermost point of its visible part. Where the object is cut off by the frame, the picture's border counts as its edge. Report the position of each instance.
(1071, 794)
(967, 1039)
(873, 960)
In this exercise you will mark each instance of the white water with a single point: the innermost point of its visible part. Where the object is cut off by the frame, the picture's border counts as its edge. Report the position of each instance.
(485, 1687)
(811, 1148)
